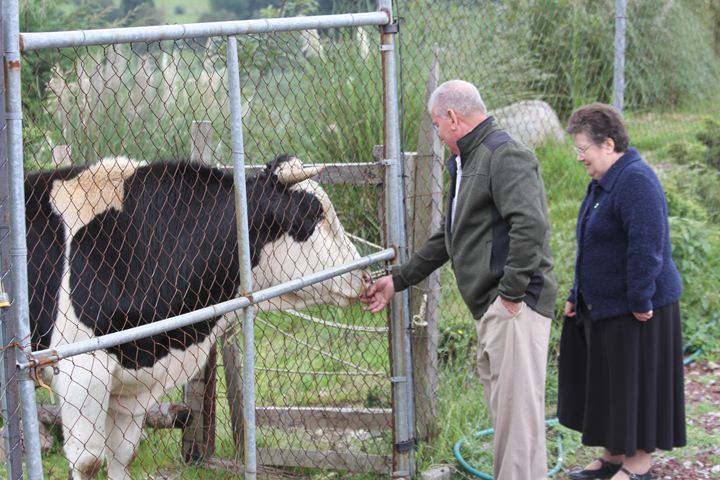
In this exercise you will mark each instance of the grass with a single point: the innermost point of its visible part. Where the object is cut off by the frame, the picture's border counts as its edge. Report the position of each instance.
(192, 10)
(461, 404)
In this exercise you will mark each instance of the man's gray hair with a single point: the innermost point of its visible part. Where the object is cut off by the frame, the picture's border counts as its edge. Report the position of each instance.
(461, 96)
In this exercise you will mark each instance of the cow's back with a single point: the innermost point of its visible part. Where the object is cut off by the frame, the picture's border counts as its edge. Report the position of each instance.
(166, 247)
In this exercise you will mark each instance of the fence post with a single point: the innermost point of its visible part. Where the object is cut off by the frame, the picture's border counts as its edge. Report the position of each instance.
(426, 177)
(18, 247)
(10, 404)
(246, 280)
(200, 140)
(400, 343)
(619, 67)
(62, 156)
(232, 364)
(198, 437)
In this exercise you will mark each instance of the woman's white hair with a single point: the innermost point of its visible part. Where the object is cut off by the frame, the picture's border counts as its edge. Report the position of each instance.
(461, 96)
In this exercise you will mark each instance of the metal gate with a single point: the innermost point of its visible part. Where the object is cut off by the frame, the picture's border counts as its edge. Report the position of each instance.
(333, 387)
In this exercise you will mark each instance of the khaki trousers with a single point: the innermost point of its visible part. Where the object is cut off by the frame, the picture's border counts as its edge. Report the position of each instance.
(511, 361)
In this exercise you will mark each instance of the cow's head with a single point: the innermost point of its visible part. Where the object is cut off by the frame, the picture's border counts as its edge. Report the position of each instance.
(314, 240)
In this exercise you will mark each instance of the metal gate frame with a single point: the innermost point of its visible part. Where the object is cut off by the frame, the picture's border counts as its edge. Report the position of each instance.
(12, 171)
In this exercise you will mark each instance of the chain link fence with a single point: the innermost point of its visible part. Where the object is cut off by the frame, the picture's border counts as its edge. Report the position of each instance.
(128, 146)
(534, 62)
(323, 389)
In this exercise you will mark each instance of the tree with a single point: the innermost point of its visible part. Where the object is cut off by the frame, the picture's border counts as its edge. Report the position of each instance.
(126, 6)
(239, 8)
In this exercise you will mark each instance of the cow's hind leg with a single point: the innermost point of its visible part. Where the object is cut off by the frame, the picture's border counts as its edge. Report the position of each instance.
(83, 386)
(124, 426)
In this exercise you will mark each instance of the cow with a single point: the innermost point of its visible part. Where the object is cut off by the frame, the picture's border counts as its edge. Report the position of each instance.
(122, 243)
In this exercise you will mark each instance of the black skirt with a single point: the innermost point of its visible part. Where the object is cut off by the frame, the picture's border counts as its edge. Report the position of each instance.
(621, 381)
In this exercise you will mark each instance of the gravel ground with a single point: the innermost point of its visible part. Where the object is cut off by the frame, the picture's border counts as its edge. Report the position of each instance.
(702, 388)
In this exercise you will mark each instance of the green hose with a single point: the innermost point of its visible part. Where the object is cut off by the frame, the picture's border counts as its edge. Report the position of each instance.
(694, 355)
(477, 473)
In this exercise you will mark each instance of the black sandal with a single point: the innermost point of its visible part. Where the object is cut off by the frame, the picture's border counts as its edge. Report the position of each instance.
(606, 470)
(636, 476)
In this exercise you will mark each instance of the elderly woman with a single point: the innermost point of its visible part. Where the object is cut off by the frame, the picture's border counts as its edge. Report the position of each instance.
(621, 365)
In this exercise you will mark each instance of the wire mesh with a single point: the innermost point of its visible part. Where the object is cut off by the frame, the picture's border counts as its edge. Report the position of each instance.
(110, 132)
(316, 94)
(534, 62)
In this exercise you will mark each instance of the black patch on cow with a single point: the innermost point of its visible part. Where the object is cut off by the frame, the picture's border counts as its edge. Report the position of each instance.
(173, 249)
(45, 252)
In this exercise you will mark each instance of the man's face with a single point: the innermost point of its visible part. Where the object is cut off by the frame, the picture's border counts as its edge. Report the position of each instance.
(445, 123)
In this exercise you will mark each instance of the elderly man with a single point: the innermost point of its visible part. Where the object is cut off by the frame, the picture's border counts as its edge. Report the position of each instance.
(497, 235)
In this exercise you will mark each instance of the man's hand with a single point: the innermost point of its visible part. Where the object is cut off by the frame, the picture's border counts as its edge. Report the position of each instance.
(379, 294)
(512, 307)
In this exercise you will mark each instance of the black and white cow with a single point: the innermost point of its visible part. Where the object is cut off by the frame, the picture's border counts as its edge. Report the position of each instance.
(122, 243)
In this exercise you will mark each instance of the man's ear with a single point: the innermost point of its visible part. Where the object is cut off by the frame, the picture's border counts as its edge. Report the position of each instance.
(452, 116)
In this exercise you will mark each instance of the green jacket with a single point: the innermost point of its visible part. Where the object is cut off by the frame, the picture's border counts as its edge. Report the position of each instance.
(500, 243)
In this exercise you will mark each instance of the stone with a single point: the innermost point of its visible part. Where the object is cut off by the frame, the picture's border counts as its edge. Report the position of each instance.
(533, 122)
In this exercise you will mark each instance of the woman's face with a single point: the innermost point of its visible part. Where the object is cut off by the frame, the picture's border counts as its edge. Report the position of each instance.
(597, 158)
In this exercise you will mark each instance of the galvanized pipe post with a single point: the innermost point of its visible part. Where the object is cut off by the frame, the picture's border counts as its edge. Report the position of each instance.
(619, 66)
(401, 368)
(10, 399)
(243, 235)
(18, 247)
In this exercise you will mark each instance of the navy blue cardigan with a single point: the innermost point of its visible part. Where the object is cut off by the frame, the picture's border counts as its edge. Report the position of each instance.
(624, 259)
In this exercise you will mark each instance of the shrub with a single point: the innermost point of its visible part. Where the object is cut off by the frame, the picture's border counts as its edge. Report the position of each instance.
(686, 153)
(456, 341)
(710, 137)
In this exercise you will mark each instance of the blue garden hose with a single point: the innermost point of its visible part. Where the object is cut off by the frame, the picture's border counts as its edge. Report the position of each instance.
(477, 473)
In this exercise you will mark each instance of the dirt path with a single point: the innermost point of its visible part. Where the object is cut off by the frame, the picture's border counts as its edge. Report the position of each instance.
(702, 396)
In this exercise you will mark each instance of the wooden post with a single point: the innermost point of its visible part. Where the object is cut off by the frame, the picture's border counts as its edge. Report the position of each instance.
(198, 439)
(232, 363)
(62, 156)
(200, 139)
(426, 177)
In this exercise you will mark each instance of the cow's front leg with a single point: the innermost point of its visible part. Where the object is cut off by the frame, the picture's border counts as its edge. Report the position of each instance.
(125, 419)
(83, 385)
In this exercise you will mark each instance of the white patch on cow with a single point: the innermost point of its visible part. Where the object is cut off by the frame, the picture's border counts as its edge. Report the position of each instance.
(97, 189)
(285, 259)
(176, 368)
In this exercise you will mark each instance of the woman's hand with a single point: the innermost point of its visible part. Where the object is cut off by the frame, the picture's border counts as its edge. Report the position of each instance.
(643, 316)
(569, 309)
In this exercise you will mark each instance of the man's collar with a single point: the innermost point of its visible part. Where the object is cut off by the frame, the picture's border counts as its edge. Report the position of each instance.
(468, 140)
